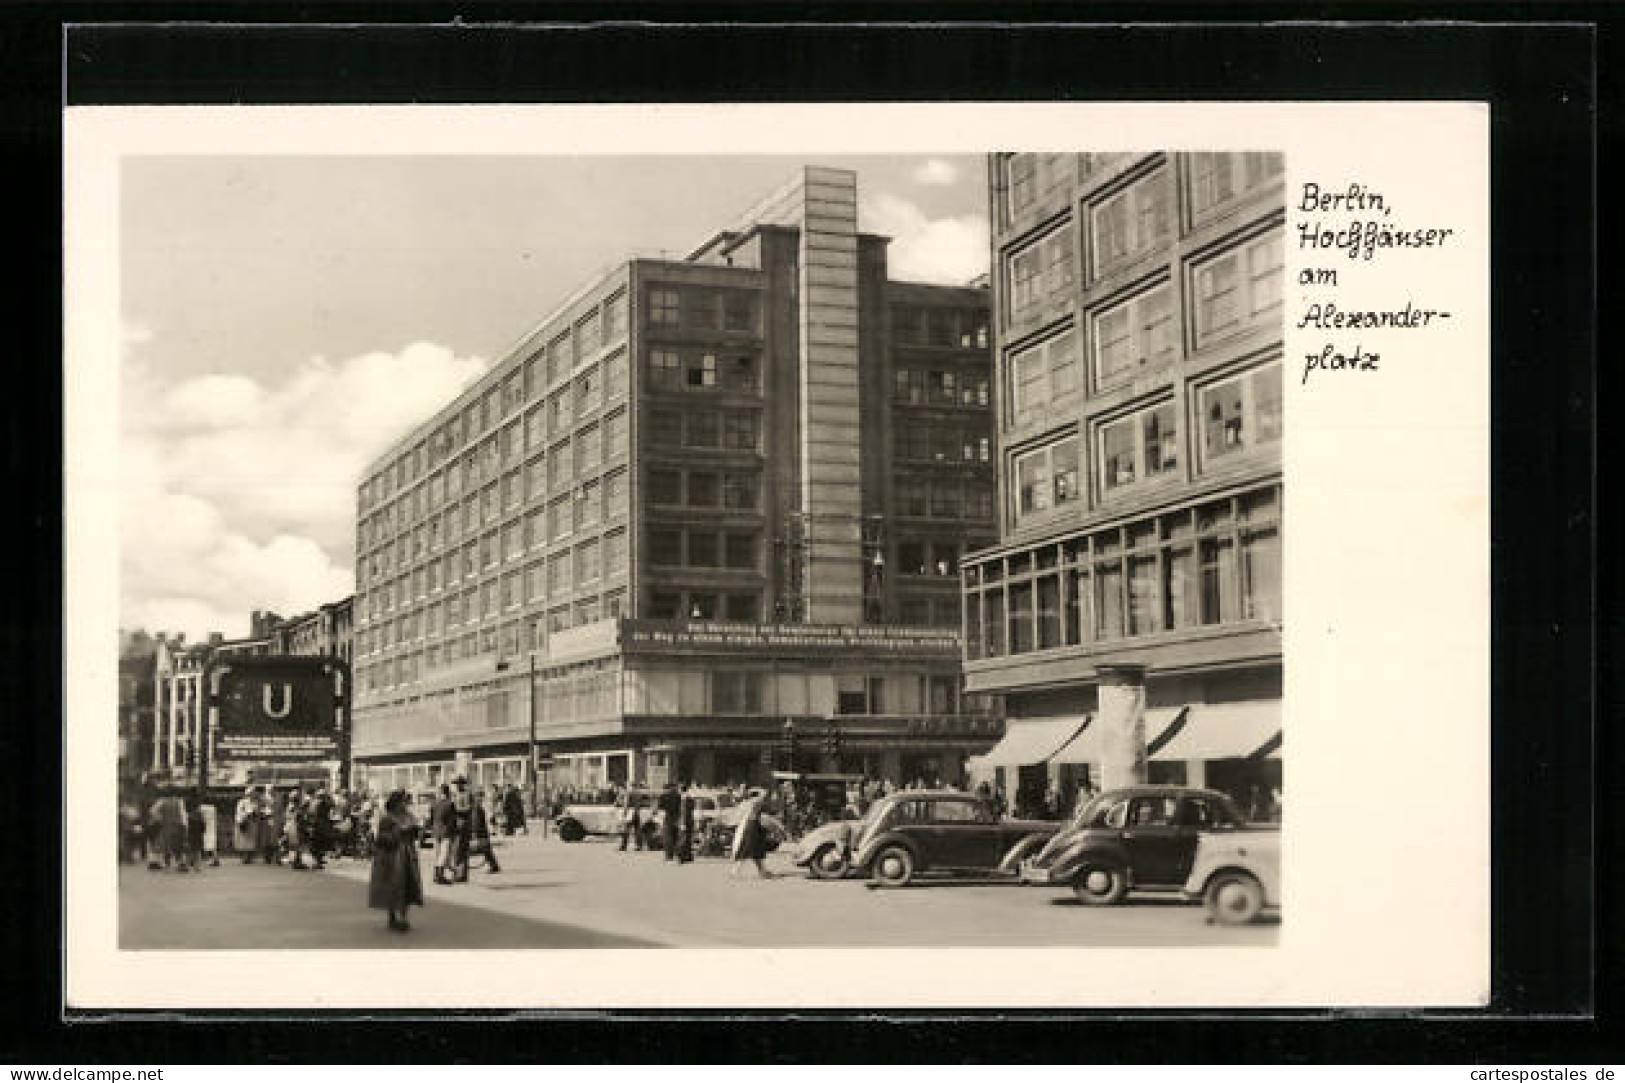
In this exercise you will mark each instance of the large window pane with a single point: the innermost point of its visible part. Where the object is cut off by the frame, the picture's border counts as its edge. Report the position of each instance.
(1021, 617)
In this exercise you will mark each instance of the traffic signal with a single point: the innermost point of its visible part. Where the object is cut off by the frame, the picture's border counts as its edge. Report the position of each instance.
(787, 741)
(832, 741)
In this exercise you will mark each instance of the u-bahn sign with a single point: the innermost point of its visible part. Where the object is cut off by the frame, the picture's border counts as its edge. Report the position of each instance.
(278, 709)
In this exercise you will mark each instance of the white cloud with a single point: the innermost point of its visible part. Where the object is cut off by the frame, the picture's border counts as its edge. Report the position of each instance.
(935, 171)
(951, 250)
(237, 496)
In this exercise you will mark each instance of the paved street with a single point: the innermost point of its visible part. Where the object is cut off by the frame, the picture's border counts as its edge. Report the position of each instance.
(553, 894)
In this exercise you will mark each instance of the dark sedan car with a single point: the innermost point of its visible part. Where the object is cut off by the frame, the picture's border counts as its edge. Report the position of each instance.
(1137, 838)
(919, 831)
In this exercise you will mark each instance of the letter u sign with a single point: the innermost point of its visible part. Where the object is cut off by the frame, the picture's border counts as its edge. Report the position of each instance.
(287, 700)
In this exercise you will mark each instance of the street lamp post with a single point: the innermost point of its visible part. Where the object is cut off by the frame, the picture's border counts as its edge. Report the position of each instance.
(534, 773)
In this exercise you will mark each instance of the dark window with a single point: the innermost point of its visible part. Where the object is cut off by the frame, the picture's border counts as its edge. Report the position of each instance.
(665, 605)
(741, 551)
(702, 549)
(703, 429)
(744, 607)
(665, 547)
(702, 490)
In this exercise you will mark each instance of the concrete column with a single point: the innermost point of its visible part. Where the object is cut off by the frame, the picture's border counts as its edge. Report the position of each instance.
(174, 716)
(1122, 721)
(158, 685)
(1196, 772)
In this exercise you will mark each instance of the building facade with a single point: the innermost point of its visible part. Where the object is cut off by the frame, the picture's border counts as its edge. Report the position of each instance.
(1136, 588)
(706, 497)
(328, 632)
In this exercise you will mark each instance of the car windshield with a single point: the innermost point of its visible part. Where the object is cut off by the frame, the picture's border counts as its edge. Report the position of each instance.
(725, 799)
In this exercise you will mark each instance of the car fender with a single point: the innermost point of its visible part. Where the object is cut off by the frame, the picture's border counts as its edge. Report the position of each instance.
(1073, 857)
(1016, 854)
(1209, 875)
(880, 842)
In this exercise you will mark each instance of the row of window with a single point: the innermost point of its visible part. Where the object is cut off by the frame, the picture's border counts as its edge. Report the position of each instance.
(704, 604)
(1210, 179)
(1233, 416)
(496, 454)
(504, 641)
(702, 308)
(941, 442)
(703, 370)
(1217, 563)
(671, 487)
(575, 508)
(732, 430)
(602, 326)
(539, 581)
(670, 547)
(1232, 292)
(939, 387)
(952, 328)
(944, 498)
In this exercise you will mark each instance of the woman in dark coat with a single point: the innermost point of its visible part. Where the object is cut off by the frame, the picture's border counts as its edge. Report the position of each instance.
(750, 838)
(396, 883)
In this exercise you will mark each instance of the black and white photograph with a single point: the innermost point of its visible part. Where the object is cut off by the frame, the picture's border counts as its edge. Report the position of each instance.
(722, 552)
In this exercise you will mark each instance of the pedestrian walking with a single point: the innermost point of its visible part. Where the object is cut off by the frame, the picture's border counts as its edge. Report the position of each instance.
(295, 827)
(481, 838)
(513, 809)
(273, 818)
(321, 827)
(194, 831)
(685, 841)
(750, 839)
(396, 883)
(170, 814)
(671, 811)
(443, 826)
(631, 823)
(463, 805)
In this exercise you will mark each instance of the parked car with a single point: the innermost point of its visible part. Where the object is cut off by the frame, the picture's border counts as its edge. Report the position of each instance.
(919, 831)
(1132, 839)
(577, 821)
(1237, 874)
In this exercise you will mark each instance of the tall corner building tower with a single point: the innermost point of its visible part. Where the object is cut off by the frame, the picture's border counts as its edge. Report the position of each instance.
(707, 503)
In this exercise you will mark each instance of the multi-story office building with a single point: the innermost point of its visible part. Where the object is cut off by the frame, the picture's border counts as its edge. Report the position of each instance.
(703, 499)
(1135, 592)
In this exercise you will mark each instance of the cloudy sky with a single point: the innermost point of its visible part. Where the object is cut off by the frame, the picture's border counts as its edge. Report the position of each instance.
(286, 318)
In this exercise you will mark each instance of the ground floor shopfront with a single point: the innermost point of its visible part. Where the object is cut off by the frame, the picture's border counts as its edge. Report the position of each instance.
(1220, 729)
(644, 750)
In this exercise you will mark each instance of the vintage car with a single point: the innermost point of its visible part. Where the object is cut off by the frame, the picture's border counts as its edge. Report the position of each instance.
(577, 821)
(1237, 874)
(918, 831)
(826, 851)
(1139, 838)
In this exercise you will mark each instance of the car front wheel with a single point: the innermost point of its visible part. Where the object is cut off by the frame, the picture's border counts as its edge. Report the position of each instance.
(1234, 898)
(1100, 885)
(893, 867)
(829, 863)
(570, 831)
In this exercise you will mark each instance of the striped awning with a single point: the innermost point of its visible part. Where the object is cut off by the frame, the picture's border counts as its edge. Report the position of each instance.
(1029, 741)
(1248, 730)
(1085, 747)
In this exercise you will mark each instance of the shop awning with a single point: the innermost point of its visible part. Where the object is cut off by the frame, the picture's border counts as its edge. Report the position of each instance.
(1029, 741)
(1085, 747)
(1222, 731)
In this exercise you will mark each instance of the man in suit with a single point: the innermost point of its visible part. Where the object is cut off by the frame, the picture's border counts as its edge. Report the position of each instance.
(462, 829)
(443, 822)
(671, 810)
